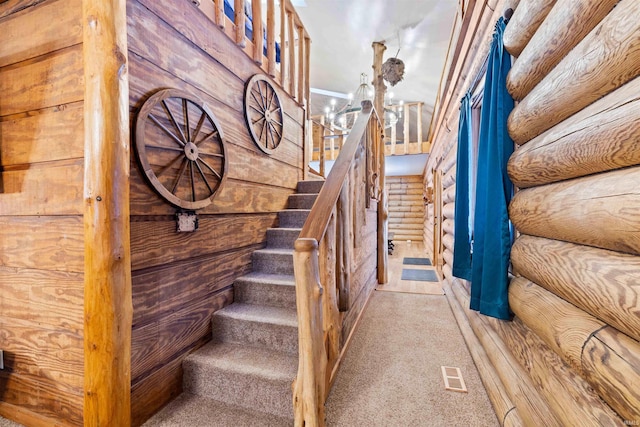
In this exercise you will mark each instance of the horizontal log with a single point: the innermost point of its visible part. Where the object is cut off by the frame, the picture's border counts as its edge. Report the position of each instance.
(447, 255)
(449, 178)
(568, 395)
(449, 210)
(607, 359)
(448, 241)
(603, 283)
(532, 407)
(601, 210)
(564, 327)
(605, 60)
(602, 137)
(403, 214)
(448, 226)
(525, 21)
(555, 37)
(449, 194)
(498, 396)
(450, 159)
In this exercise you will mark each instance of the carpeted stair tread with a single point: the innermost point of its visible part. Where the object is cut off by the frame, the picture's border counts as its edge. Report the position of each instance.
(189, 410)
(310, 186)
(249, 360)
(301, 200)
(277, 290)
(257, 325)
(252, 377)
(273, 260)
(282, 237)
(293, 218)
(259, 313)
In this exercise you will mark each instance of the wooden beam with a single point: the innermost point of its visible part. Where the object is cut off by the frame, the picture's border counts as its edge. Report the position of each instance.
(525, 21)
(606, 59)
(283, 45)
(292, 55)
(602, 137)
(598, 281)
(220, 16)
(107, 272)
(557, 35)
(601, 210)
(383, 208)
(406, 129)
(301, 71)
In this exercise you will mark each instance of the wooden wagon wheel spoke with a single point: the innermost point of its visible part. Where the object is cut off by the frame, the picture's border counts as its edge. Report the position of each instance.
(167, 131)
(173, 120)
(263, 113)
(198, 137)
(210, 168)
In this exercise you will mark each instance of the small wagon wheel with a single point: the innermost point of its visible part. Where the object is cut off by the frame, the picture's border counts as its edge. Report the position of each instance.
(180, 147)
(263, 111)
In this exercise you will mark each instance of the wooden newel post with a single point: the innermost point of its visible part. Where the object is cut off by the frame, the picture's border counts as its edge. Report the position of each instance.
(107, 255)
(309, 386)
(343, 248)
(380, 88)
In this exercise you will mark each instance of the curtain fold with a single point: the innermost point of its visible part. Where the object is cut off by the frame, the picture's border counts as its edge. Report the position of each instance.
(492, 229)
(462, 220)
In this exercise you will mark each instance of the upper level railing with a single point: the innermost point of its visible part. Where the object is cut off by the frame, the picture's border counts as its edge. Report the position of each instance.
(403, 135)
(322, 263)
(282, 52)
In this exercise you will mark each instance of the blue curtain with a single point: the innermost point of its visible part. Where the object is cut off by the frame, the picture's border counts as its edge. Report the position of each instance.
(492, 230)
(462, 223)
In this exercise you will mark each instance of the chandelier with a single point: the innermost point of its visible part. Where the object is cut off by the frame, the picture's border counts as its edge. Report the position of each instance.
(344, 117)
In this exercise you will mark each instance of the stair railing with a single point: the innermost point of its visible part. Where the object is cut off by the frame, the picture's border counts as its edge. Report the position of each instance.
(323, 263)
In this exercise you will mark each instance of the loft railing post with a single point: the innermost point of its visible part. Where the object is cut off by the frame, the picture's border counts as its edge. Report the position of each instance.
(239, 19)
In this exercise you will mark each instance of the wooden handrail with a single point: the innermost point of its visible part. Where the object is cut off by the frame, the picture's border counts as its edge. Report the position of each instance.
(322, 264)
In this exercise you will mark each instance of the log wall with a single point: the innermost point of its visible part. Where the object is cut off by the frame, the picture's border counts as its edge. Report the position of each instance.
(406, 207)
(180, 279)
(41, 212)
(574, 337)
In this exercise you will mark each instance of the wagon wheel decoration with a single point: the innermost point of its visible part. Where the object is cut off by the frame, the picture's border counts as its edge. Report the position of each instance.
(263, 111)
(180, 147)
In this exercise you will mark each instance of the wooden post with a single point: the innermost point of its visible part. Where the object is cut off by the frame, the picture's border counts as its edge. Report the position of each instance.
(343, 242)
(307, 72)
(406, 130)
(220, 13)
(107, 266)
(393, 136)
(240, 19)
(258, 40)
(321, 147)
(380, 88)
(301, 70)
(283, 45)
(292, 55)
(309, 386)
(419, 127)
(271, 38)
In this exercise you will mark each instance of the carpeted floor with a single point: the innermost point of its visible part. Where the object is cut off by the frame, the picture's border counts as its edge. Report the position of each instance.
(391, 375)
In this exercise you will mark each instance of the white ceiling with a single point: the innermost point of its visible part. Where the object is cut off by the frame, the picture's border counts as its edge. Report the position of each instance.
(342, 32)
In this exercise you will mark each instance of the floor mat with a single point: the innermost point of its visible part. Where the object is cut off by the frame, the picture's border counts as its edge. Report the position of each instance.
(416, 261)
(419, 275)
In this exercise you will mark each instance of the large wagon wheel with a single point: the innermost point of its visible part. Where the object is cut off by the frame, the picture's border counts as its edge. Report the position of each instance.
(180, 147)
(263, 111)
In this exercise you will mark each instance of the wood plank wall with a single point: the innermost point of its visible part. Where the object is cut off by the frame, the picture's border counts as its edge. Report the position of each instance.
(41, 225)
(180, 279)
(406, 207)
(573, 347)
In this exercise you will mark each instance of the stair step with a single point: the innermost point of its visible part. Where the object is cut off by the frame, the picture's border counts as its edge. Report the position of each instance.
(258, 325)
(310, 186)
(273, 261)
(293, 218)
(275, 290)
(193, 410)
(301, 201)
(251, 377)
(282, 237)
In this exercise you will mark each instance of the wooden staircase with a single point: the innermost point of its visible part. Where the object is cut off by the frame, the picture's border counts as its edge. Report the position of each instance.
(244, 375)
